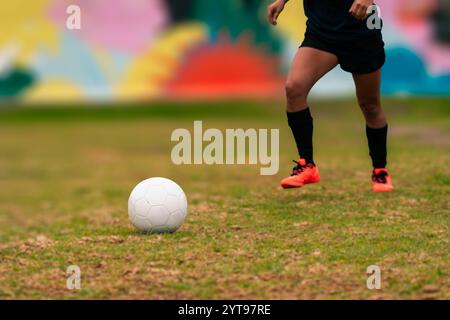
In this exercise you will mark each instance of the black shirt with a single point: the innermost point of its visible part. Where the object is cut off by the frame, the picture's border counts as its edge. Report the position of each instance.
(331, 19)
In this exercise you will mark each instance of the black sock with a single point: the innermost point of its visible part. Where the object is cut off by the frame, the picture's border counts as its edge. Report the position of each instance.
(301, 124)
(377, 139)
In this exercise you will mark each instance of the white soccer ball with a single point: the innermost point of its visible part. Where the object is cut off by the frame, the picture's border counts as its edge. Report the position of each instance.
(157, 205)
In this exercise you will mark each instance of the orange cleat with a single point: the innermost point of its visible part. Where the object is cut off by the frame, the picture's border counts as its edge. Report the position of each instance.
(302, 174)
(381, 181)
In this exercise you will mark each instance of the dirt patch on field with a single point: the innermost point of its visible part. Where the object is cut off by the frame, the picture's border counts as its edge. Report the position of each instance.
(426, 135)
(37, 243)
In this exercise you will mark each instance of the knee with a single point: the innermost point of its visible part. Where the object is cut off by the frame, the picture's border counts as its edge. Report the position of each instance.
(371, 107)
(296, 95)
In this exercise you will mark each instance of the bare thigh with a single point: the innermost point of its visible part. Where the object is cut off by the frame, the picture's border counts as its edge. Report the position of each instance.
(308, 67)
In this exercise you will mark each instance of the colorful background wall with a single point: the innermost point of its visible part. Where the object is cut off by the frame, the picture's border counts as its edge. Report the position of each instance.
(151, 49)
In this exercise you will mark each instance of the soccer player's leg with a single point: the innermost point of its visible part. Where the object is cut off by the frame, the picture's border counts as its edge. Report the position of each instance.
(308, 67)
(369, 98)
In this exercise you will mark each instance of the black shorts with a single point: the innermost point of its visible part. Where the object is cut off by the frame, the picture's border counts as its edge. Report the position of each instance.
(361, 56)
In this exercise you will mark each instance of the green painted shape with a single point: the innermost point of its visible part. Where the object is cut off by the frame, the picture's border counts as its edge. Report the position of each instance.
(15, 82)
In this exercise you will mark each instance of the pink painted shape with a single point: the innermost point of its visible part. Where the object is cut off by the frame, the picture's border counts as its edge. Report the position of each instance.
(124, 25)
(419, 33)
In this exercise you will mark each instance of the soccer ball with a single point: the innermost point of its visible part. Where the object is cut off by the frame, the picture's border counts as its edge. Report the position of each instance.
(157, 205)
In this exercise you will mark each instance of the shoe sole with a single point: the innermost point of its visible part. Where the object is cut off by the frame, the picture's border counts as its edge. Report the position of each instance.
(297, 186)
(383, 191)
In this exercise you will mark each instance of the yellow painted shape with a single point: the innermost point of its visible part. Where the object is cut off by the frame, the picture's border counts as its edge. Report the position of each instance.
(53, 90)
(148, 72)
(292, 21)
(26, 24)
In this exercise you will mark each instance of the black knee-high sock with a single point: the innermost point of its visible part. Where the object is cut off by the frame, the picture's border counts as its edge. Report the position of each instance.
(301, 124)
(377, 139)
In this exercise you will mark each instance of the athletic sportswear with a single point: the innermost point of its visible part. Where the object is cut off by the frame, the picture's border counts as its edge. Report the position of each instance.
(303, 173)
(301, 124)
(377, 140)
(381, 181)
(331, 28)
(332, 20)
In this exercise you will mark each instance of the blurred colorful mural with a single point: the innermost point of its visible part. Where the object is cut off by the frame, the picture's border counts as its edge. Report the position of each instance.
(151, 49)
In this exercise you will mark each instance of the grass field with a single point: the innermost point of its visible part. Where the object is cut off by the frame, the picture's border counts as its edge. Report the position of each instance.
(66, 174)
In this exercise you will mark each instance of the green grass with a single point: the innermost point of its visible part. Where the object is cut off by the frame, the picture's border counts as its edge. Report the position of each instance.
(65, 176)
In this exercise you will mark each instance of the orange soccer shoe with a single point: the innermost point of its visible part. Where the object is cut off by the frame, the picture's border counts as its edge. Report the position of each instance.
(381, 181)
(302, 174)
